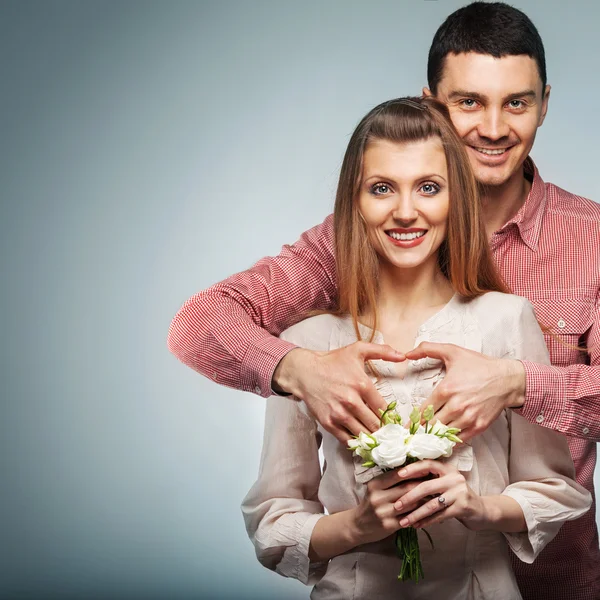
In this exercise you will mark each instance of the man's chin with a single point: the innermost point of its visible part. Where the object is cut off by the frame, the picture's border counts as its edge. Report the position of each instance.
(492, 178)
(492, 182)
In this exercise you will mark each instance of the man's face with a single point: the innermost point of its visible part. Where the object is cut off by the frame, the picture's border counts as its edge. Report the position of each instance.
(496, 104)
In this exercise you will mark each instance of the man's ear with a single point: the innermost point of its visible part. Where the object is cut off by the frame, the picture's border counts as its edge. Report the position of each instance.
(545, 101)
(427, 92)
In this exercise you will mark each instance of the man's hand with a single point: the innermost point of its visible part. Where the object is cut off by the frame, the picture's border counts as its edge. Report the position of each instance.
(335, 387)
(476, 388)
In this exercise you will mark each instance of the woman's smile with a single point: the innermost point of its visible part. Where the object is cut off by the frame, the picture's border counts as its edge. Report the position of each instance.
(406, 238)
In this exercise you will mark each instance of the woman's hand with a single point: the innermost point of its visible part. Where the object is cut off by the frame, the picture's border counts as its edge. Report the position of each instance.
(444, 496)
(375, 517)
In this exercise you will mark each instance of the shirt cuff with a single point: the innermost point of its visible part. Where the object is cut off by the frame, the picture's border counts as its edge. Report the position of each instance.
(259, 364)
(526, 545)
(544, 394)
(295, 561)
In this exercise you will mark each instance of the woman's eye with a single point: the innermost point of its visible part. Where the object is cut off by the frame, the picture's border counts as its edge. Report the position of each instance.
(430, 188)
(380, 189)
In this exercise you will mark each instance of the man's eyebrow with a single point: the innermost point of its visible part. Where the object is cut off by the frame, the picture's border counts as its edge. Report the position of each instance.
(523, 94)
(455, 94)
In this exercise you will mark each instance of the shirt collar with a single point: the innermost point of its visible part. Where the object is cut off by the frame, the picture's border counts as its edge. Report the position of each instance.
(530, 216)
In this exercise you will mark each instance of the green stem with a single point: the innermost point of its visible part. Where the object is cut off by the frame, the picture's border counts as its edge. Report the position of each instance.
(407, 548)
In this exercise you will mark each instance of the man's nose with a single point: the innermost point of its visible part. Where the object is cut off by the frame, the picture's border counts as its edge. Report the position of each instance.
(493, 125)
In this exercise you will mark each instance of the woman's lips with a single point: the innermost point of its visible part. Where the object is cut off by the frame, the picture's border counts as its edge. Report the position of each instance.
(406, 238)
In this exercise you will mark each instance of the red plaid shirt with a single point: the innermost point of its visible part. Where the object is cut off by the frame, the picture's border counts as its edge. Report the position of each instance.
(548, 252)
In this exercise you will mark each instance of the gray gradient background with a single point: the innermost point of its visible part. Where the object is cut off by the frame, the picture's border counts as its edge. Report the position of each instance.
(148, 150)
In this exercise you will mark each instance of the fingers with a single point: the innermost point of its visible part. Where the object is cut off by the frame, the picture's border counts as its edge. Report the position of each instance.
(343, 425)
(370, 351)
(373, 399)
(433, 511)
(422, 468)
(443, 352)
(468, 433)
(365, 417)
(387, 480)
(357, 406)
(430, 497)
(342, 435)
(431, 487)
(437, 399)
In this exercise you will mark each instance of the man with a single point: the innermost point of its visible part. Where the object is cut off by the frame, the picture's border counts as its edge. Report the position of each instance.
(487, 64)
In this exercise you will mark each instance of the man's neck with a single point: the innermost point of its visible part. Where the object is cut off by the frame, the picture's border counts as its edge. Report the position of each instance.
(501, 203)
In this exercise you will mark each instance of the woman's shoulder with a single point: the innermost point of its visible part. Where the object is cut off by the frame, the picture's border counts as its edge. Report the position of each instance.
(498, 304)
(312, 333)
(498, 312)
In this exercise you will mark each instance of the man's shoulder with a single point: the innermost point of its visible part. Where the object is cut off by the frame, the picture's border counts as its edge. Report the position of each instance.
(566, 204)
(313, 333)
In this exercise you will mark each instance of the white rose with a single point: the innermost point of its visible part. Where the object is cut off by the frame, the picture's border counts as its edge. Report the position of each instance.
(425, 445)
(392, 449)
(390, 455)
(391, 432)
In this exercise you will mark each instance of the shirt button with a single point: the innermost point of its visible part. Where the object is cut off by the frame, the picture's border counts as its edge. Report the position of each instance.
(585, 430)
(257, 389)
(539, 419)
(561, 324)
(215, 375)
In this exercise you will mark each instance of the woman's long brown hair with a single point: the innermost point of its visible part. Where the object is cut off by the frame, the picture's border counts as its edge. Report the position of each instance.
(464, 256)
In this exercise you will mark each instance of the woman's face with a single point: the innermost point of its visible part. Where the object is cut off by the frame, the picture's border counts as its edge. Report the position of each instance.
(404, 200)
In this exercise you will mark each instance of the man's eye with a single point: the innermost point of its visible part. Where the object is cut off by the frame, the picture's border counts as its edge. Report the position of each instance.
(516, 104)
(380, 189)
(430, 189)
(469, 103)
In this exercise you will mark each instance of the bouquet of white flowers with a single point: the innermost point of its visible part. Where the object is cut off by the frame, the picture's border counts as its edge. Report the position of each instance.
(394, 445)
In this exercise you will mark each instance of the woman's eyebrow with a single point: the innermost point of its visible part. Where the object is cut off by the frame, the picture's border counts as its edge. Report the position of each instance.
(418, 177)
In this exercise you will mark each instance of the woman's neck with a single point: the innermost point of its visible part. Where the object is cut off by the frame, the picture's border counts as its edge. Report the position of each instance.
(411, 294)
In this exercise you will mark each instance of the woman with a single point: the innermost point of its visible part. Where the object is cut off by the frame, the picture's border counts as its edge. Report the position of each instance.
(414, 266)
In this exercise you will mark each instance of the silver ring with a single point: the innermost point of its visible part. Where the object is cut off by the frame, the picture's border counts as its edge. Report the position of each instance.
(442, 501)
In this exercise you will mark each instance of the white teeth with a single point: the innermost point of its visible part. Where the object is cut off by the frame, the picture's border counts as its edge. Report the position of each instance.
(407, 236)
(491, 152)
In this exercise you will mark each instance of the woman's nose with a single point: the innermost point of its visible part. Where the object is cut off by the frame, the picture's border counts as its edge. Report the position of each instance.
(405, 210)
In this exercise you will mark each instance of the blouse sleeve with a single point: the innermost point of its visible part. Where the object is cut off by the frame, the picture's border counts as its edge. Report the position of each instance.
(282, 507)
(542, 475)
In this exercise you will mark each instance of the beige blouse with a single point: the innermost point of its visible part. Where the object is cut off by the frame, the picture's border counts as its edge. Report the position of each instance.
(527, 462)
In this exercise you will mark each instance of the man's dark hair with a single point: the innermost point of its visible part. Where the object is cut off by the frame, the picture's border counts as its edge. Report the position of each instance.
(493, 28)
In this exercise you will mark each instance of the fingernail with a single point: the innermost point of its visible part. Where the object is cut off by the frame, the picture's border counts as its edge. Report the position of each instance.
(398, 505)
(404, 522)
(402, 473)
